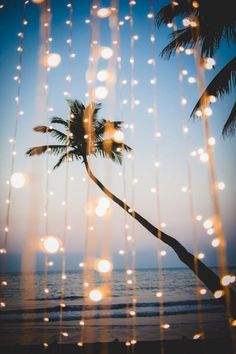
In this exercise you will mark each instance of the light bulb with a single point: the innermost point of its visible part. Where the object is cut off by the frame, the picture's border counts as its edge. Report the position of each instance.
(101, 92)
(106, 52)
(53, 60)
(118, 136)
(104, 12)
(104, 266)
(95, 295)
(102, 75)
(17, 180)
(51, 244)
(104, 202)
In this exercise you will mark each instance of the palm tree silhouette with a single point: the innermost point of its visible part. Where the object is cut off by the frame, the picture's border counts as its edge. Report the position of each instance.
(213, 23)
(87, 135)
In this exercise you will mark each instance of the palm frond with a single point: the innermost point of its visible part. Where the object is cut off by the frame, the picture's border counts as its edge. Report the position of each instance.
(182, 38)
(61, 137)
(58, 120)
(221, 85)
(70, 155)
(52, 149)
(230, 125)
(211, 29)
(108, 148)
(169, 12)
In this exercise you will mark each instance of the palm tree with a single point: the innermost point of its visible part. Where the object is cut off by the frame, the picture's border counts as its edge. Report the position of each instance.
(210, 23)
(87, 135)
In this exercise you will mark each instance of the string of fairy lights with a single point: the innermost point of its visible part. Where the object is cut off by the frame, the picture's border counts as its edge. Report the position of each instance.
(189, 188)
(153, 110)
(67, 227)
(212, 225)
(17, 179)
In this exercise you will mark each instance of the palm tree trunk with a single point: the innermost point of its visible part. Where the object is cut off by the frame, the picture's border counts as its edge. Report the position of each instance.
(205, 274)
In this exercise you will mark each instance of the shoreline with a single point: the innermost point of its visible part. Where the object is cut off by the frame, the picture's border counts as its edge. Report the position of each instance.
(183, 346)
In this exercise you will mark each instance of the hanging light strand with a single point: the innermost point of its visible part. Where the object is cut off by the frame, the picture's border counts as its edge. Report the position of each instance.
(154, 111)
(189, 188)
(66, 227)
(13, 140)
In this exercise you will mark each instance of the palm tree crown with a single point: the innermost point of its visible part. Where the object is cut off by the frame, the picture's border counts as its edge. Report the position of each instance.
(84, 135)
(209, 24)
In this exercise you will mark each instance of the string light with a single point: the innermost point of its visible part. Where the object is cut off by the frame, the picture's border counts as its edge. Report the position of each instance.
(95, 295)
(51, 244)
(53, 60)
(17, 180)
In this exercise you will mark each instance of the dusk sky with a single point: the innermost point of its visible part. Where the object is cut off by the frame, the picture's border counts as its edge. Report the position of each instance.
(174, 203)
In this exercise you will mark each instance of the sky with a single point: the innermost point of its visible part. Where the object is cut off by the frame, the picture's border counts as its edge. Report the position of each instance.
(27, 204)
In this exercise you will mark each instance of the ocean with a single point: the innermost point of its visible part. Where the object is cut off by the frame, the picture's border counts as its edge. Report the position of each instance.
(180, 307)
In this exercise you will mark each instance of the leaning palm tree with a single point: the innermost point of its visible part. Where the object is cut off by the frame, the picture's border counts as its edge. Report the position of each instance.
(210, 23)
(87, 135)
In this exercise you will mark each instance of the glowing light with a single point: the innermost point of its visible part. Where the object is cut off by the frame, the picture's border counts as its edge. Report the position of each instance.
(53, 60)
(209, 63)
(163, 253)
(212, 99)
(208, 111)
(201, 255)
(101, 92)
(150, 15)
(226, 280)
(104, 202)
(106, 52)
(133, 341)
(192, 80)
(184, 189)
(104, 12)
(17, 180)
(102, 75)
(211, 231)
(159, 294)
(218, 294)
(202, 291)
(51, 244)
(189, 51)
(132, 313)
(104, 266)
(82, 323)
(208, 224)
(64, 334)
(211, 141)
(215, 242)
(197, 336)
(127, 343)
(186, 22)
(198, 217)
(233, 323)
(100, 211)
(118, 136)
(121, 252)
(95, 295)
(80, 344)
(45, 344)
(129, 271)
(198, 113)
(204, 157)
(165, 326)
(183, 101)
(221, 186)
(195, 4)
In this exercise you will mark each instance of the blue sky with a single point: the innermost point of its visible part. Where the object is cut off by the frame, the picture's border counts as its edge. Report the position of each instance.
(173, 172)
